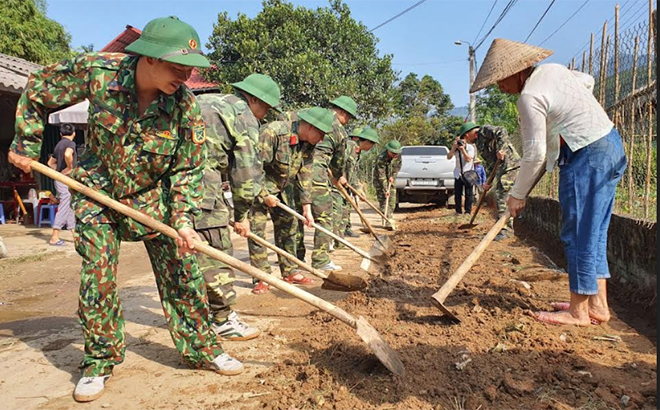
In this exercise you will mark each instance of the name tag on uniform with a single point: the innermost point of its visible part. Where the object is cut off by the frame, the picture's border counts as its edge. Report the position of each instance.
(165, 134)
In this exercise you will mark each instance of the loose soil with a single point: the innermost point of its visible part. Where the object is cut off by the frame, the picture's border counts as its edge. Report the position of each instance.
(497, 358)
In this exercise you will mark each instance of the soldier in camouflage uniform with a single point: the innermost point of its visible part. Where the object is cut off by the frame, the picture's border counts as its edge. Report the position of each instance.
(388, 164)
(493, 143)
(329, 155)
(360, 140)
(287, 153)
(232, 132)
(145, 148)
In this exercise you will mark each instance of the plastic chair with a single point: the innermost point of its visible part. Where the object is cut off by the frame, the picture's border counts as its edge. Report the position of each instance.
(2, 214)
(51, 209)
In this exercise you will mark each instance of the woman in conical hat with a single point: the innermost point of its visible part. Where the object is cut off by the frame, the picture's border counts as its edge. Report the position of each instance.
(562, 123)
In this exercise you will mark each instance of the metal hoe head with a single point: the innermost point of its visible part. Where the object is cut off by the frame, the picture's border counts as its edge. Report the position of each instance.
(440, 305)
(342, 282)
(381, 349)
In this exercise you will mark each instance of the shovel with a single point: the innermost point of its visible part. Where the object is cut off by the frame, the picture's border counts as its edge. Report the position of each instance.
(367, 333)
(387, 205)
(439, 297)
(482, 197)
(376, 255)
(331, 281)
(384, 241)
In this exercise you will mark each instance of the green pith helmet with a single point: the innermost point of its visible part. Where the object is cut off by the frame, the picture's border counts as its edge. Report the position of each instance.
(356, 132)
(320, 118)
(263, 87)
(370, 134)
(394, 147)
(346, 103)
(170, 39)
(467, 127)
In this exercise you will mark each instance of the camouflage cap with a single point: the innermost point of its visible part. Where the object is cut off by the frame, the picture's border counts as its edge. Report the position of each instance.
(393, 146)
(170, 39)
(346, 103)
(370, 134)
(263, 87)
(320, 118)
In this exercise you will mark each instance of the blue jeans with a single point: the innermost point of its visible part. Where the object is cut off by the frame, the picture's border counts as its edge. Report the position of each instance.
(587, 185)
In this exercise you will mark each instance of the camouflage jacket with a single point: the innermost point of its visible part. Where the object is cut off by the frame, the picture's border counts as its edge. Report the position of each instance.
(285, 159)
(385, 168)
(151, 162)
(331, 152)
(232, 139)
(492, 139)
(352, 155)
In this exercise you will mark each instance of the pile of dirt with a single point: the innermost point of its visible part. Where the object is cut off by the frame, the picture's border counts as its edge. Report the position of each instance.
(498, 357)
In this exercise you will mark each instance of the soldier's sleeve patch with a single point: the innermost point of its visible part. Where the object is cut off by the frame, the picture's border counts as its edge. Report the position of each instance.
(199, 134)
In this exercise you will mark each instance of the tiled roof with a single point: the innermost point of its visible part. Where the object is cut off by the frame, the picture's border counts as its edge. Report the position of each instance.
(121, 41)
(14, 73)
(118, 45)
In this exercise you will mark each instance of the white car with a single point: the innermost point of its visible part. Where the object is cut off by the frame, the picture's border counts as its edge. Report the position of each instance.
(426, 175)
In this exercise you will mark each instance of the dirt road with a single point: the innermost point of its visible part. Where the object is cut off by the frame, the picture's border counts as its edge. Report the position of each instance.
(498, 358)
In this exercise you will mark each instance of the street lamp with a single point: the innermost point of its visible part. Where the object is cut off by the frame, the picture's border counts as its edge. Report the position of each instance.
(473, 68)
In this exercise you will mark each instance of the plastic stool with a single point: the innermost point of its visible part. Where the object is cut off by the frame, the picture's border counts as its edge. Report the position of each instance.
(51, 214)
(2, 214)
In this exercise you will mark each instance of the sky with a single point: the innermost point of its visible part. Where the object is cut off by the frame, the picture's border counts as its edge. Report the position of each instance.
(421, 41)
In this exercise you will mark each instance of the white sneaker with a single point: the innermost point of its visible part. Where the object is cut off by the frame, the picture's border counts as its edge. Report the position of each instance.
(331, 247)
(227, 365)
(234, 329)
(330, 266)
(90, 388)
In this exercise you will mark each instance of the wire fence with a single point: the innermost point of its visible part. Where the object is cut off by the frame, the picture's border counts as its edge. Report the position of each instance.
(623, 63)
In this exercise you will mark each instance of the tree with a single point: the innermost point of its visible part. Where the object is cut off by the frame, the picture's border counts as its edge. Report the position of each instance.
(26, 32)
(315, 55)
(497, 108)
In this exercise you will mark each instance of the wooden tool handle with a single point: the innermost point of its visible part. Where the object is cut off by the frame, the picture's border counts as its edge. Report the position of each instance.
(359, 211)
(199, 246)
(483, 196)
(325, 231)
(387, 200)
(364, 198)
(21, 204)
(285, 254)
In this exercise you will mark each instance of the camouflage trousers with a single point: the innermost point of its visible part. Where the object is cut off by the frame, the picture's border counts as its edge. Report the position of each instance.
(219, 277)
(285, 228)
(382, 199)
(341, 212)
(180, 286)
(322, 212)
(502, 189)
(293, 196)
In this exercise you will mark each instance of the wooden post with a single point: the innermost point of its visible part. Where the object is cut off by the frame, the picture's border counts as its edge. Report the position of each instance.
(591, 55)
(616, 54)
(573, 64)
(584, 61)
(603, 66)
(649, 140)
(633, 128)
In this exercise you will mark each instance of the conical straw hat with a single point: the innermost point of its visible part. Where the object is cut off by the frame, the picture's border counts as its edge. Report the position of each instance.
(505, 58)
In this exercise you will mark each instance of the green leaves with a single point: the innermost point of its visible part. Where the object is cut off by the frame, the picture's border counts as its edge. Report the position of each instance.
(497, 108)
(315, 55)
(27, 33)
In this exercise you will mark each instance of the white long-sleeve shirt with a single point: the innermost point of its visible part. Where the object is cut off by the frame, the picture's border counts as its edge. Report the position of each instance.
(555, 101)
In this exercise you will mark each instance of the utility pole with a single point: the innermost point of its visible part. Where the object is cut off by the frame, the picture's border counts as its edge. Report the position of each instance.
(472, 62)
(473, 73)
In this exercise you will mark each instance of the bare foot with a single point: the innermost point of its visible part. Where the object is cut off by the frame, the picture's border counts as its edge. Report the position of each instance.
(563, 317)
(597, 313)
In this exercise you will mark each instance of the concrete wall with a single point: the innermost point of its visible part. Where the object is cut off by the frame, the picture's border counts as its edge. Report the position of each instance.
(631, 244)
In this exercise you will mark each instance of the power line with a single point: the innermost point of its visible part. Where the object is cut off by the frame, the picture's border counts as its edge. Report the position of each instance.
(564, 23)
(397, 16)
(635, 17)
(484, 23)
(540, 20)
(504, 12)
